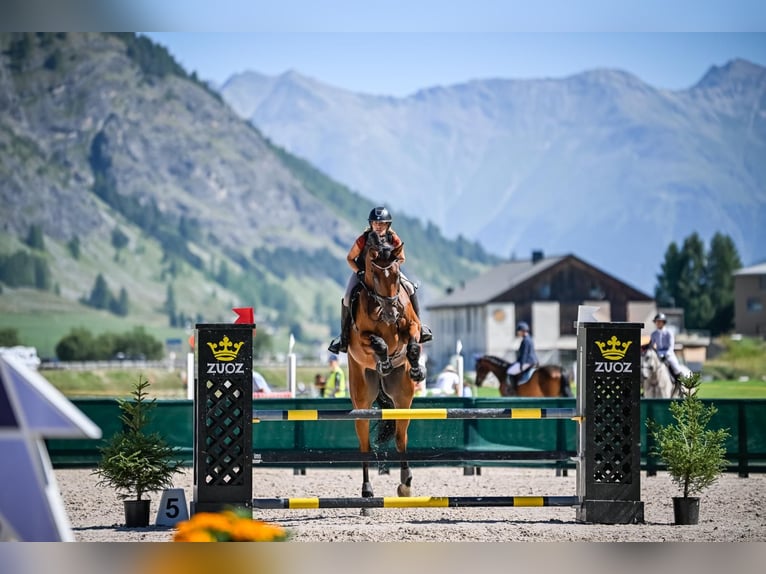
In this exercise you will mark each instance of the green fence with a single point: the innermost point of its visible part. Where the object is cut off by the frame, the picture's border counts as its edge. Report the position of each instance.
(746, 447)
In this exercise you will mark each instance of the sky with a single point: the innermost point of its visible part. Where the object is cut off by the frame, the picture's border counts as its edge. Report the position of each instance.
(396, 47)
(400, 63)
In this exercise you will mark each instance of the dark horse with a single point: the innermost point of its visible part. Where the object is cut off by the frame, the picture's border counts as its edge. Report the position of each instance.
(546, 381)
(384, 353)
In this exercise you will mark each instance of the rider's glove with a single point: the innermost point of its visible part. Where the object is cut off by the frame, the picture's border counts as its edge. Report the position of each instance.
(360, 274)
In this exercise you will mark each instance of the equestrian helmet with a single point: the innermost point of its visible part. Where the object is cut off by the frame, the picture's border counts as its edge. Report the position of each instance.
(522, 326)
(380, 214)
(661, 317)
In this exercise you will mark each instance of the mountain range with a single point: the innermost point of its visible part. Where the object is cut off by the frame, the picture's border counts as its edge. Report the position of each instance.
(599, 164)
(129, 167)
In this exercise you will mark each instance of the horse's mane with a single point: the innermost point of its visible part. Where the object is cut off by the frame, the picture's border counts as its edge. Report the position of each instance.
(497, 361)
(384, 247)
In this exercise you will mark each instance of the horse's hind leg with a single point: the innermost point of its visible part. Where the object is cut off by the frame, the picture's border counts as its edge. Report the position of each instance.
(363, 432)
(405, 477)
(405, 480)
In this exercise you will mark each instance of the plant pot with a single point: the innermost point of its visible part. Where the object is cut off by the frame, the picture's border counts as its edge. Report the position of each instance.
(136, 513)
(686, 510)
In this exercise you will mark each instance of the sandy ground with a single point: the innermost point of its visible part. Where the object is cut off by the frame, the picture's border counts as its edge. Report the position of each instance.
(732, 510)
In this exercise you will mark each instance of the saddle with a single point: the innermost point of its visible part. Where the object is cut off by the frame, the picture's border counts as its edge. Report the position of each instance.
(523, 376)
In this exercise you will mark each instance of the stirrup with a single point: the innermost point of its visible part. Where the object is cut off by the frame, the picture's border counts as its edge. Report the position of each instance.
(425, 334)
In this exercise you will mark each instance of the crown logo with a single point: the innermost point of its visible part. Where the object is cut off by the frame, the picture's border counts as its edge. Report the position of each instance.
(613, 349)
(225, 350)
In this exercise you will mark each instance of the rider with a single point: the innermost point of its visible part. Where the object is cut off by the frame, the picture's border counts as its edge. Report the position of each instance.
(526, 357)
(380, 222)
(663, 342)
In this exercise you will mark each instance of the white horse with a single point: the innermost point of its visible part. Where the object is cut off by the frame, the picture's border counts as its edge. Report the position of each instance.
(656, 379)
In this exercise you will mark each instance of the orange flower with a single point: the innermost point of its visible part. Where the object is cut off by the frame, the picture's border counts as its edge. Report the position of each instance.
(227, 526)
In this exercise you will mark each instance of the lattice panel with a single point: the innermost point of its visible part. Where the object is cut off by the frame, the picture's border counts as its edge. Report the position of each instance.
(225, 417)
(612, 435)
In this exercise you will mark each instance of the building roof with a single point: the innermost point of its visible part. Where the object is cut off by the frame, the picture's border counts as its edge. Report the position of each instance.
(489, 286)
(499, 279)
(759, 269)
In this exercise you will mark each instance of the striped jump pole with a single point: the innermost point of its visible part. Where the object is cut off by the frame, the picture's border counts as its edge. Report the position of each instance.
(415, 502)
(433, 457)
(413, 414)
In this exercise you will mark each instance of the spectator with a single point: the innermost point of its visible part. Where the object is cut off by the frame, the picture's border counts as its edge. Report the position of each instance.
(336, 380)
(448, 381)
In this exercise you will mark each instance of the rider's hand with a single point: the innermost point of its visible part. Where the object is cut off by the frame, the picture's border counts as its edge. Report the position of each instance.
(360, 274)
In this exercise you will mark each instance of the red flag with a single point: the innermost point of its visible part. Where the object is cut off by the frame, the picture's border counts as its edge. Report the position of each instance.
(244, 315)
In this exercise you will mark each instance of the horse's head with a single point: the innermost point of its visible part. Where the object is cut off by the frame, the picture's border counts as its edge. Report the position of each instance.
(650, 364)
(481, 371)
(656, 380)
(382, 276)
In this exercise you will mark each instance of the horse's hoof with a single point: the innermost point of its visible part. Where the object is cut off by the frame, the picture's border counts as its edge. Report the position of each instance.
(403, 490)
(417, 374)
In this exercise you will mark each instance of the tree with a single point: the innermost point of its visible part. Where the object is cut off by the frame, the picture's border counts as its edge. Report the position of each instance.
(100, 296)
(666, 291)
(170, 305)
(9, 337)
(76, 346)
(74, 246)
(119, 239)
(723, 260)
(700, 282)
(42, 274)
(35, 237)
(121, 305)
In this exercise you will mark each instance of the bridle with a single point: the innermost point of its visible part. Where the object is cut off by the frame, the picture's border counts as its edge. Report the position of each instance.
(389, 308)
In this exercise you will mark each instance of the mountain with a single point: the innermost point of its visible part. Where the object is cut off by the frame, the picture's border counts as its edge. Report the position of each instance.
(599, 164)
(130, 168)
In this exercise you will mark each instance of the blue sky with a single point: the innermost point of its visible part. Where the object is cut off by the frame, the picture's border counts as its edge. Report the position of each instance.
(395, 47)
(400, 63)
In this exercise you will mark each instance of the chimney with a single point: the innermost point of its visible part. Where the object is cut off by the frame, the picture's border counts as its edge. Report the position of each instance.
(537, 256)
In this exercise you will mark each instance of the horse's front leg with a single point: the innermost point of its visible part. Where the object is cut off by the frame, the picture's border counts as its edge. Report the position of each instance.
(380, 348)
(417, 373)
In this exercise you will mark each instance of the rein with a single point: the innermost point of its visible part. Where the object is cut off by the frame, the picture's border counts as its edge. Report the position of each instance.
(383, 300)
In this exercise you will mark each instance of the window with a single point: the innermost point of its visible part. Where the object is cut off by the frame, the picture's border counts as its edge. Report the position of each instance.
(762, 282)
(544, 291)
(754, 305)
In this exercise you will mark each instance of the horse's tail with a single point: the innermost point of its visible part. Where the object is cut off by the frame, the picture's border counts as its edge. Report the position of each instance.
(386, 427)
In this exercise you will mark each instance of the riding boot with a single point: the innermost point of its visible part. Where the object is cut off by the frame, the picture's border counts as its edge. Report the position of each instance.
(425, 332)
(566, 388)
(340, 344)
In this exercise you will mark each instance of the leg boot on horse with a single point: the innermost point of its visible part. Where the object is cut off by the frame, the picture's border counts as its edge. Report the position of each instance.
(340, 344)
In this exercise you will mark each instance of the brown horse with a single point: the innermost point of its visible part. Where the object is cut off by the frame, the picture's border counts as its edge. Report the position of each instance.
(383, 340)
(546, 381)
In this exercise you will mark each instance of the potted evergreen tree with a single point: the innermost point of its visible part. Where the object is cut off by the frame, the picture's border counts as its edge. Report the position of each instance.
(135, 462)
(695, 455)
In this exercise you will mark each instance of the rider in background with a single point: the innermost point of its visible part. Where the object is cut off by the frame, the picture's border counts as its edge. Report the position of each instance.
(663, 342)
(380, 222)
(526, 357)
